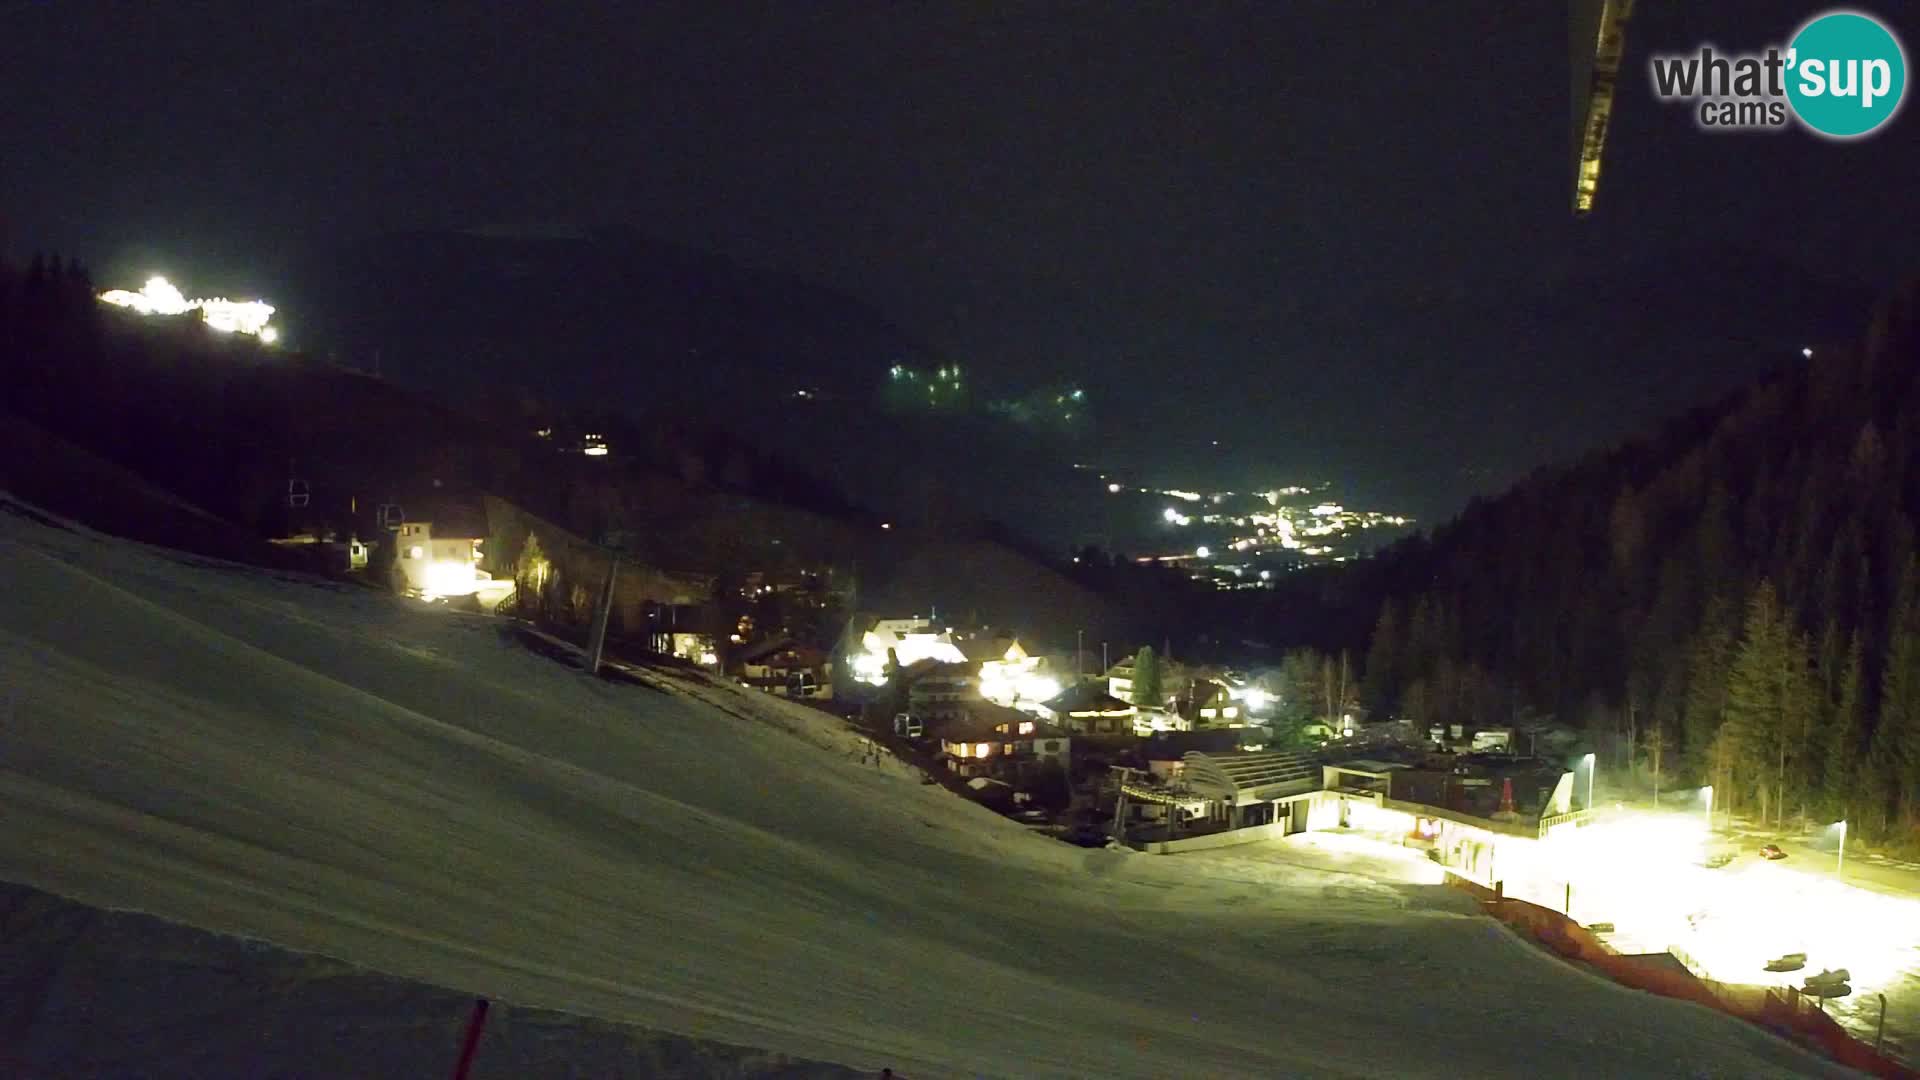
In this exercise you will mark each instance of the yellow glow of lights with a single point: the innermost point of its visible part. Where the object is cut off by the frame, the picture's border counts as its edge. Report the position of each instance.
(446, 577)
(159, 297)
(1609, 46)
(868, 668)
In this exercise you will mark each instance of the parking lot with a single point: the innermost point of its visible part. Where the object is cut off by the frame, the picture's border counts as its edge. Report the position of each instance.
(1651, 874)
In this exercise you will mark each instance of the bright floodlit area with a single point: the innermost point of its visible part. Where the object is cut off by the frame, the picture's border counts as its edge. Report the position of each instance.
(410, 790)
(1666, 883)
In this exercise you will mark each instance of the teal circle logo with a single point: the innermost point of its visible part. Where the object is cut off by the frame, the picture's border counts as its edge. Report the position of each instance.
(1846, 74)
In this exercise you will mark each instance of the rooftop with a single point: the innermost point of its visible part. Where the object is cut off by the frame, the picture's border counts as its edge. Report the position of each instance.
(979, 721)
(1252, 777)
(1088, 697)
(1175, 745)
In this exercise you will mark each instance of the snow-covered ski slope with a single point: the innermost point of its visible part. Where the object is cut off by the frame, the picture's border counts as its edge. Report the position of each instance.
(408, 790)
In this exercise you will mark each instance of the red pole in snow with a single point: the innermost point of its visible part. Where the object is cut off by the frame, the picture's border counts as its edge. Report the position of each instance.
(478, 1021)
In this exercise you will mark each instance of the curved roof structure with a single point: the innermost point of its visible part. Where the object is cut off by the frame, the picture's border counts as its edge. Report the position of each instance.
(1251, 778)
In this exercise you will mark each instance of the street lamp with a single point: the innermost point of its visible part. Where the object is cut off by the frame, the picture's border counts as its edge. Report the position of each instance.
(1592, 767)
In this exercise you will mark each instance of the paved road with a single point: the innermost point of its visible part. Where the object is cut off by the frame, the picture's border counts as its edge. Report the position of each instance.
(1817, 856)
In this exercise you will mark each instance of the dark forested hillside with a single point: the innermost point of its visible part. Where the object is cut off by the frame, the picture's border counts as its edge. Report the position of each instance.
(609, 314)
(164, 430)
(1732, 600)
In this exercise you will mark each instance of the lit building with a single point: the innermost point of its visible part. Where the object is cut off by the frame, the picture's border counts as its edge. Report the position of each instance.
(441, 558)
(1015, 677)
(938, 691)
(983, 739)
(872, 646)
(1212, 704)
(784, 667)
(1086, 709)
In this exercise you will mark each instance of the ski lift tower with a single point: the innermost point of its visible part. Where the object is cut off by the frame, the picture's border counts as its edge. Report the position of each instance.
(1597, 39)
(614, 543)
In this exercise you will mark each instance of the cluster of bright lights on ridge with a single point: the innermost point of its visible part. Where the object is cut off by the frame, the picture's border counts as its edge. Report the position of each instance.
(160, 297)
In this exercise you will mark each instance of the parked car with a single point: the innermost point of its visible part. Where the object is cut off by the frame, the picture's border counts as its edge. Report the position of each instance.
(1789, 962)
(1772, 851)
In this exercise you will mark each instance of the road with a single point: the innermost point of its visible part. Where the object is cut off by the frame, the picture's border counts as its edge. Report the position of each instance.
(1817, 856)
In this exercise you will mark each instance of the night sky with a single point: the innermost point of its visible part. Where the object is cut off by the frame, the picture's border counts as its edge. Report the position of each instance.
(1334, 236)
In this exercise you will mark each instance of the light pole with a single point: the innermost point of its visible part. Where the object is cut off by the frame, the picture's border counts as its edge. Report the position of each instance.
(1593, 766)
(1841, 869)
(1709, 792)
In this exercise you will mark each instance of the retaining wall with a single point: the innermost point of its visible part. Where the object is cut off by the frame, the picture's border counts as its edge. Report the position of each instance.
(1231, 838)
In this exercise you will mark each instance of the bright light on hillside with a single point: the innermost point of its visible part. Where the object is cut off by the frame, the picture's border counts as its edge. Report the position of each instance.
(159, 297)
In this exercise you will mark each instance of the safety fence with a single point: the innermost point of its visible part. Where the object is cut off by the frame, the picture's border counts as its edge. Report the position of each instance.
(1788, 1013)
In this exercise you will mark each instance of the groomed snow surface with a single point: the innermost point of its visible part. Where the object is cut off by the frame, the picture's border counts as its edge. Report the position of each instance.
(411, 791)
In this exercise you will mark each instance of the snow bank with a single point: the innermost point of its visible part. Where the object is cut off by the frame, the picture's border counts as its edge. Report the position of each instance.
(91, 993)
(413, 792)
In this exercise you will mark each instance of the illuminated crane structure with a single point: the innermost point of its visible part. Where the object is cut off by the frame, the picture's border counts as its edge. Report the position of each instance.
(1598, 36)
